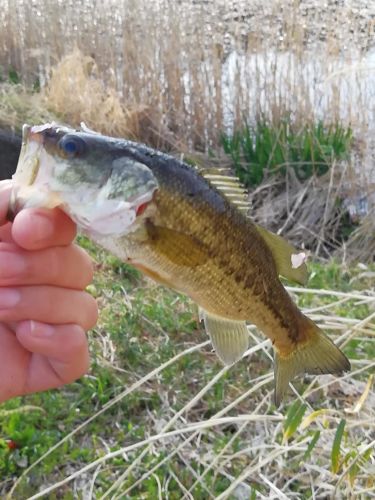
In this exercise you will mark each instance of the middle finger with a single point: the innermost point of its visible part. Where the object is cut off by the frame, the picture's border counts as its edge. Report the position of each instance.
(48, 304)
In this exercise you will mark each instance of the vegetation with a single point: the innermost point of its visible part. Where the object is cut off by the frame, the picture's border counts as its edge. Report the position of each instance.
(265, 150)
(158, 414)
(204, 66)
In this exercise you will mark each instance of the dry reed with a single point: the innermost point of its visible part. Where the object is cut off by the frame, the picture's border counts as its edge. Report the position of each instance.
(193, 69)
(19, 106)
(175, 75)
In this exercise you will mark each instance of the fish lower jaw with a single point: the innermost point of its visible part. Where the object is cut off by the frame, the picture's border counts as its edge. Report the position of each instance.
(31, 197)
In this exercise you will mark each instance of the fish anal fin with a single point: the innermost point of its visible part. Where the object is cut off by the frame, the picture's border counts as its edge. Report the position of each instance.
(317, 356)
(284, 255)
(229, 338)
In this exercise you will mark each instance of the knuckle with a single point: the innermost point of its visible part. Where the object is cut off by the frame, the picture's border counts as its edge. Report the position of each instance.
(92, 312)
(79, 340)
(83, 266)
(79, 350)
(75, 341)
(53, 265)
(67, 228)
(87, 268)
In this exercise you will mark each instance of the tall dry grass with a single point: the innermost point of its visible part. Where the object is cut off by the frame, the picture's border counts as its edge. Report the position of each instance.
(194, 68)
(176, 74)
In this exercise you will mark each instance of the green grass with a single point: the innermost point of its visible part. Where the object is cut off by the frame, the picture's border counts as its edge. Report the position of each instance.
(268, 149)
(141, 327)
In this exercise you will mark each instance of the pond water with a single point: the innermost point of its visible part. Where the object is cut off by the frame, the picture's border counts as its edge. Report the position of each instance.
(334, 87)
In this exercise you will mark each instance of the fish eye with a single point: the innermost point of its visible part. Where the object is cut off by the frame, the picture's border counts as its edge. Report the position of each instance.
(72, 146)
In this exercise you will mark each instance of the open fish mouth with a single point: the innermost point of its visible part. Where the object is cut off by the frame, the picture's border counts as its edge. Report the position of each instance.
(29, 157)
(108, 217)
(27, 191)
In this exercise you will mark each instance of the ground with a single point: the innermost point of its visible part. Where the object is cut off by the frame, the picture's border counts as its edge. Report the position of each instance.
(153, 372)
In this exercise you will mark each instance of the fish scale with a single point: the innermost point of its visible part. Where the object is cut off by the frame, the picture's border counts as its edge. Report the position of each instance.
(212, 284)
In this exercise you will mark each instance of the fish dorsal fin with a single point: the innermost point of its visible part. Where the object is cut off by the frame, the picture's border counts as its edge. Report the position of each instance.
(290, 262)
(229, 338)
(228, 184)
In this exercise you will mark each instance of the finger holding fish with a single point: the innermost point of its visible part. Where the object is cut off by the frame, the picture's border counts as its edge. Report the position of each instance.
(38, 228)
(42, 273)
(48, 304)
(64, 266)
(33, 228)
(59, 353)
(35, 356)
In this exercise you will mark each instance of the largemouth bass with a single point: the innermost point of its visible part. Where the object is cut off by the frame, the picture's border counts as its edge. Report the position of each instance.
(181, 227)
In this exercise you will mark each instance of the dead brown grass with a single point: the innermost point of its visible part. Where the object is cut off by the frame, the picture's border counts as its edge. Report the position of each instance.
(94, 103)
(181, 72)
(19, 105)
(99, 105)
(307, 213)
(313, 214)
(361, 244)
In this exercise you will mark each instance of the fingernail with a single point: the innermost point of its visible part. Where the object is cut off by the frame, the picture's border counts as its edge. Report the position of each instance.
(41, 329)
(9, 297)
(11, 264)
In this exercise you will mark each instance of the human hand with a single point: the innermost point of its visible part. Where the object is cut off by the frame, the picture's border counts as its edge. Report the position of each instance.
(44, 310)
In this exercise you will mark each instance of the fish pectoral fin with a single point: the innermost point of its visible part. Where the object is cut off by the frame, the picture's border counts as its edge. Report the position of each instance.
(285, 256)
(318, 356)
(180, 248)
(229, 338)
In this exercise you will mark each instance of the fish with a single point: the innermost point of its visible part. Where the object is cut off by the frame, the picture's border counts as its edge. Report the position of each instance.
(187, 228)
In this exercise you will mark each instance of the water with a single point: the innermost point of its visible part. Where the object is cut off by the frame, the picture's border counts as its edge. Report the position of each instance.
(313, 83)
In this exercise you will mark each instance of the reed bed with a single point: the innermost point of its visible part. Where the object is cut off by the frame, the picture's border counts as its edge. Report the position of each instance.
(311, 210)
(178, 75)
(197, 68)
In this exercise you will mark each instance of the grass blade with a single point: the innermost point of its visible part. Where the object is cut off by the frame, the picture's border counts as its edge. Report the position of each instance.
(336, 447)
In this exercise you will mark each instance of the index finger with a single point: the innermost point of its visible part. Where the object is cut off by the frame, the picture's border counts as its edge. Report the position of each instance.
(36, 228)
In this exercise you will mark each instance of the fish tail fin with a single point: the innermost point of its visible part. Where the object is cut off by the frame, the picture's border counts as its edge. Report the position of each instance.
(318, 355)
